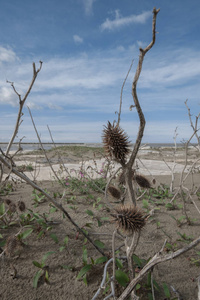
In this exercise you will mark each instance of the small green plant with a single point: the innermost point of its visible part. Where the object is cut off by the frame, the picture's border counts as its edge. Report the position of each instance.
(37, 198)
(43, 272)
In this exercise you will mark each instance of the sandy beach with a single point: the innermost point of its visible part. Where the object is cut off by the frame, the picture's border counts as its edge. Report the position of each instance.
(88, 206)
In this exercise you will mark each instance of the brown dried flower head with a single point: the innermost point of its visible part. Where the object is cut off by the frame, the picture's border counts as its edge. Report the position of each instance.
(116, 142)
(129, 219)
(21, 205)
(114, 192)
(143, 181)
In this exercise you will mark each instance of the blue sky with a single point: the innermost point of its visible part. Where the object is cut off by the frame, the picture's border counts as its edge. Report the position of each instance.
(87, 47)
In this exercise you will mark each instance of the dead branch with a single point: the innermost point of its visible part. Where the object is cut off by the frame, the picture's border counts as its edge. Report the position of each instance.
(157, 259)
(120, 106)
(129, 165)
(21, 104)
(41, 145)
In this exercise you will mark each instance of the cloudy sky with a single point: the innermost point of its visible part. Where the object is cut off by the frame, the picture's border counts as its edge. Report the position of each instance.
(87, 47)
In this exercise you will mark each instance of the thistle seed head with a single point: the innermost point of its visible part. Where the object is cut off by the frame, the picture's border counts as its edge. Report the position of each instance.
(116, 142)
(143, 181)
(129, 219)
(114, 192)
(21, 205)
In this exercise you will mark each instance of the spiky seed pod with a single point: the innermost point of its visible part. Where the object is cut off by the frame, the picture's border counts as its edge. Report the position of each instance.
(12, 207)
(142, 181)
(114, 192)
(116, 142)
(129, 219)
(11, 245)
(21, 205)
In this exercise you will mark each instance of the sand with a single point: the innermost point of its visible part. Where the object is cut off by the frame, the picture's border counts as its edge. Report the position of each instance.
(65, 265)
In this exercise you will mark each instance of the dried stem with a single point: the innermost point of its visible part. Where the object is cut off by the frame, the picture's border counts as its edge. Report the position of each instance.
(21, 104)
(120, 106)
(128, 167)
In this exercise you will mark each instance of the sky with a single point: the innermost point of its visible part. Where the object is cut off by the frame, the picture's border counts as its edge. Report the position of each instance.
(87, 47)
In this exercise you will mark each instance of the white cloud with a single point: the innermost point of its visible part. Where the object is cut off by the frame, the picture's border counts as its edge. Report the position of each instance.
(7, 96)
(7, 55)
(88, 6)
(120, 21)
(77, 39)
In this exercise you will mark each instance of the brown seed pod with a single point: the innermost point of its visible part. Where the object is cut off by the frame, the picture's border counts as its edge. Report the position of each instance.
(142, 181)
(11, 245)
(21, 205)
(129, 219)
(116, 142)
(114, 192)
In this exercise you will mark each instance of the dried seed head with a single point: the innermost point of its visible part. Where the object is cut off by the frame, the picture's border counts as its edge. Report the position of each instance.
(142, 181)
(129, 219)
(11, 245)
(21, 205)
(114, 192)
(116, 142)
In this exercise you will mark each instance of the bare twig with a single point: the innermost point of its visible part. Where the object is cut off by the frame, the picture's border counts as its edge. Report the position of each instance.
(41, 145)
(21, 104)
(120, 106)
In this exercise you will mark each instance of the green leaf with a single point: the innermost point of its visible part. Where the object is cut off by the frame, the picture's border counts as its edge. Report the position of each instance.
(137, 260)
(138, 286)
(99, 244)
(26, 233)
(85, 279)
(2, 208)
(85, 256)
(46, 255)
(100, 260)
(36, 278)
(84, 270)
(166, 290)
(37, 264)
(104, 218)
(99, 223)
(121, 277)
(54, 237)
(119, 263)
(53, 209)
(61, 248)
(89, 212)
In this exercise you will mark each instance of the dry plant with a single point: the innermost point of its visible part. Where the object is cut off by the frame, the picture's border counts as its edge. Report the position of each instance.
(131, 219)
